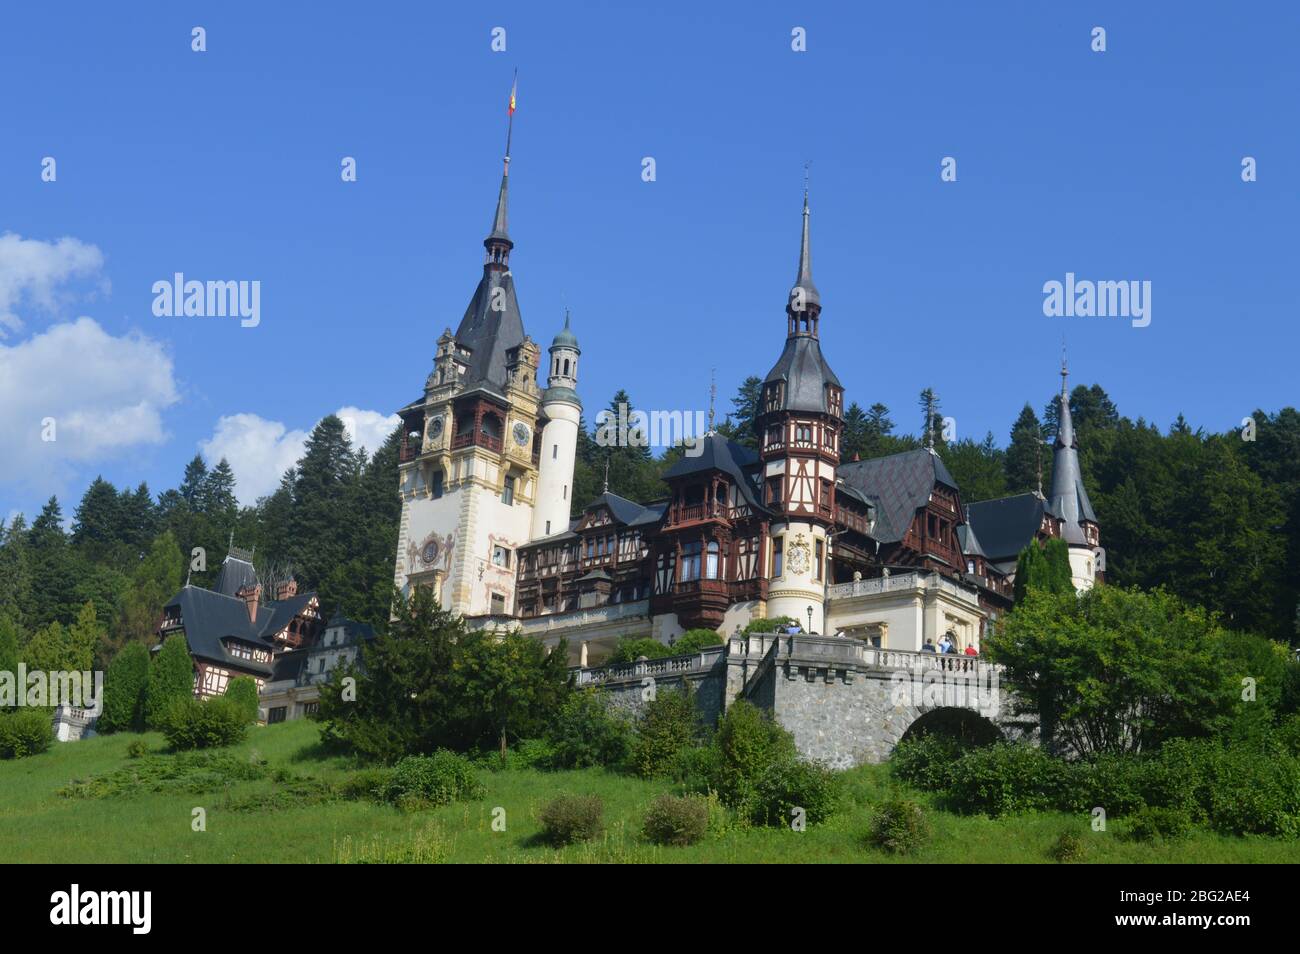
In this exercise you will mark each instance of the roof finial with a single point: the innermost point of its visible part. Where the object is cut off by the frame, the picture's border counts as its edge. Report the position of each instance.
(713, 395)
(1065, 371)
(606, 490)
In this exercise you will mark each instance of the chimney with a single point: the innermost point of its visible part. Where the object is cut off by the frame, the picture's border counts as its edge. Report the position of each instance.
(286, 589)
(251, 594)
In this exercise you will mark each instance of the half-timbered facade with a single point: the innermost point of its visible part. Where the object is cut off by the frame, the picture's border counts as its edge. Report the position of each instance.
(884, 550)
(230, 630)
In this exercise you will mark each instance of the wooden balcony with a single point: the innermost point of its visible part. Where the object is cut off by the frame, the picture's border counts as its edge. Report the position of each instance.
(476, 439)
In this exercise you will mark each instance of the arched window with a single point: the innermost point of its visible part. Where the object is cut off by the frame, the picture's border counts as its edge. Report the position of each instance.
(566, 367)
(711, 561)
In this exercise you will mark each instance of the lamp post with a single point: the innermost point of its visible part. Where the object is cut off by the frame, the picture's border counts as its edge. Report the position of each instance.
(810, 612)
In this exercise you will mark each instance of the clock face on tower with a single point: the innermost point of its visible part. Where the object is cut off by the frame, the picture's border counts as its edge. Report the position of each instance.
(522, 433)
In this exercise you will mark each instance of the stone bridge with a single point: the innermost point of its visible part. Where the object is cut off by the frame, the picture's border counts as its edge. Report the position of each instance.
(846, 702)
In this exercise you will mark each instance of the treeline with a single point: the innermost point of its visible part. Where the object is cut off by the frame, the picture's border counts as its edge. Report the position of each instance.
(1213, 517)
(332, 523)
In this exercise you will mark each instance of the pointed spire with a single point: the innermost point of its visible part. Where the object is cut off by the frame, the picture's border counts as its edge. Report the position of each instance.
(606, 488)
(1069, 499)
(498, 243)
(804, 304)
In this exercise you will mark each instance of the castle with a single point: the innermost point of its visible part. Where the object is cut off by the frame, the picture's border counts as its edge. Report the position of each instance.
(883, 551)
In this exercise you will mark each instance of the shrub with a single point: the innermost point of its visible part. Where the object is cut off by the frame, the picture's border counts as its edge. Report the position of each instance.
(696, 768)
(371, 784)
(676, 820)
(242, 691)
(25, 732)
(631, 649)
(899, 826)
(532, 753)
(770, 625)
(693, 640)
(668, 724)
(1070, 846)
(1287, 735)
(572, 818)
(1117, 783)
(926, 762)
(1007, 779)
(190, 723)
(749, 743)
(171, 677)
(137, 749)
(1164, 824)
(124, 690)
(787, 786)
(587, 732)
(437, 779)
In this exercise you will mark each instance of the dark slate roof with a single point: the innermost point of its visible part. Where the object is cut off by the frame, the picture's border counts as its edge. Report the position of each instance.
(625, 511)
(718, 453)
(353, 631)
(806, 374)
(236, 573)
(275, 616)
(288, 665)
(898, 485)
(970, 543)
(488, 333)
(1005, 526)
(1068, 499)
(209, 618)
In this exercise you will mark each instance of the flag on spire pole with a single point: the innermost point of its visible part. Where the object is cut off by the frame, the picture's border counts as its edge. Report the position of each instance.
(513, 94)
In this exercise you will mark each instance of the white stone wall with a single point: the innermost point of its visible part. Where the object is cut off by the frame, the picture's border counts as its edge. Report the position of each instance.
(555, 477)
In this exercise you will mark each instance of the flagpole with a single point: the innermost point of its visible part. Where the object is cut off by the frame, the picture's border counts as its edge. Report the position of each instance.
(510, 120)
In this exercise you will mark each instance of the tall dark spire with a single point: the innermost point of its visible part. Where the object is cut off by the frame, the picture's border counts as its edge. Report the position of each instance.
(804, 304)
(1069, 499)
(498, 243)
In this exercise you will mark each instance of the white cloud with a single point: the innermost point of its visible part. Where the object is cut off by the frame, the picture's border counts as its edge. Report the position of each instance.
(96, 394)
(260, 451)
(34, 270)
(368, 429)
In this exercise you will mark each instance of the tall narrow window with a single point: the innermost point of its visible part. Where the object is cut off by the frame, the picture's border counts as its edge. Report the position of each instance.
(691, 561)
(508, 492)
(711, 561)
(777, 562)
(820, 558)
(555, 451)
(436, 487)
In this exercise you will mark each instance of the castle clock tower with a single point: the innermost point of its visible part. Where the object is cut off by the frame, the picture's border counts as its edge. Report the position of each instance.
(800, 424)
(469, 459)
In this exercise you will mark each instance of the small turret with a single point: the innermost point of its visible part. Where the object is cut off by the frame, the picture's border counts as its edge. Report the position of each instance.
(561, 411)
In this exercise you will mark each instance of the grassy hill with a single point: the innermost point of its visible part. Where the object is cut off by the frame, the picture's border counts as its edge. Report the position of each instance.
(272, 818)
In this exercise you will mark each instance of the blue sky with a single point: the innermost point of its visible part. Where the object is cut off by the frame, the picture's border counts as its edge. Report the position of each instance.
(224, 165)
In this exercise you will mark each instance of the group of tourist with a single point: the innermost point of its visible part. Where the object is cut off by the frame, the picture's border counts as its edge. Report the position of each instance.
(948, 645)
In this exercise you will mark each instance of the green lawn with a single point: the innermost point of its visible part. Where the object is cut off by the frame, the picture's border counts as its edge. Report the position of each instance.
(39, 825)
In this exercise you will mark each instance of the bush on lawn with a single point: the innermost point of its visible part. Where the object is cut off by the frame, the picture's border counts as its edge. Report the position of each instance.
(668, 724)
(676, 820)
(190, 723)
(25, 732)
(1159, 824)
(572, 818)
(444, 777)
(899, 826)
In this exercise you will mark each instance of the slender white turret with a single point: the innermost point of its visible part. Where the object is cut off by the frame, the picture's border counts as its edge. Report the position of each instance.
(562, 410)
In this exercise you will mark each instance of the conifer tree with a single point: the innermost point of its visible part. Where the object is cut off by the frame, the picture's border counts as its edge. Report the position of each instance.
(171, 677)
(125, 683)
